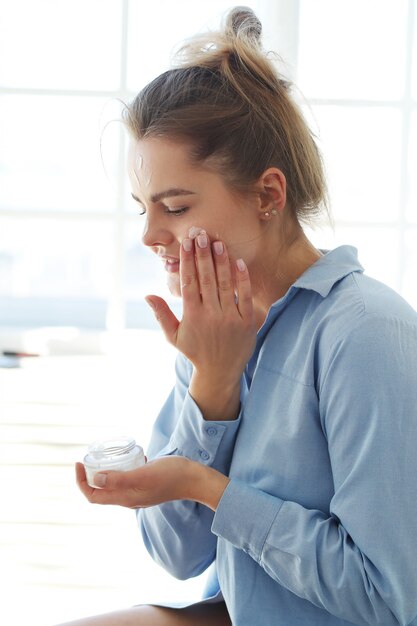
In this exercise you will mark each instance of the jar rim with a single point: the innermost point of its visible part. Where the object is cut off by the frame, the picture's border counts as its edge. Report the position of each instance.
(112, 447)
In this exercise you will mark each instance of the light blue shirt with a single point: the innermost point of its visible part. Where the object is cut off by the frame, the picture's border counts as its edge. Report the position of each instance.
(318, 525)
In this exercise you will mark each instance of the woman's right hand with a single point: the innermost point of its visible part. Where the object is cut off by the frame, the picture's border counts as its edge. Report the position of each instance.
(161, 480)
(217, 332)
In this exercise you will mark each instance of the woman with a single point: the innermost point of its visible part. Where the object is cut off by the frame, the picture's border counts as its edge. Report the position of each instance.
(286, 454)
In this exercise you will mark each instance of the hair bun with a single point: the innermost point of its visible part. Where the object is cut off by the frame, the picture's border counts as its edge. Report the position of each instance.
(241, 21)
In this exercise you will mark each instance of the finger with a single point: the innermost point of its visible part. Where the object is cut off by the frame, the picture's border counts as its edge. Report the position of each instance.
(81, 479)
(190, 290)
(118, 488)
(206, 272)
(244, 291)
(95, 496)
(225, 286)
(104, 493)
(165, 317)
(112, 488)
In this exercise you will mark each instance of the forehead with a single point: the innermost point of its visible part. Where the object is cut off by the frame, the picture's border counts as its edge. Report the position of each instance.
(158, 153)
(157, 164)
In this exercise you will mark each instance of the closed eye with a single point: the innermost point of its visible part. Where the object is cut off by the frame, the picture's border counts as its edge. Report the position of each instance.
(178, 211)
(167, 209)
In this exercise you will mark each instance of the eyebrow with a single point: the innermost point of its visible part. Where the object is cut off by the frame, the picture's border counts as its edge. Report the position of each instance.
(136, 198)
(168, 193)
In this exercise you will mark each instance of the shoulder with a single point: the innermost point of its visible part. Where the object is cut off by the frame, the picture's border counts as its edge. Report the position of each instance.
(373, 335)
(357, 319)
(363, 328)
(362, 306)
(379, 299)
(345, 296)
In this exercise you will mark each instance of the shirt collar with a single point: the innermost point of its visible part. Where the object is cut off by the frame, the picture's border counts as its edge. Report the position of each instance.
(319, 277)
(329, 269)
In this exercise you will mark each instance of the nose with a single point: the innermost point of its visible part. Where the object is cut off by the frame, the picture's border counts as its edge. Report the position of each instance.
(155, 233)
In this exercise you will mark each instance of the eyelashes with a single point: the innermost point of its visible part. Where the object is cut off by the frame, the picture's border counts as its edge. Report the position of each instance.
(171, 210)
(179, 211)
(176, 212)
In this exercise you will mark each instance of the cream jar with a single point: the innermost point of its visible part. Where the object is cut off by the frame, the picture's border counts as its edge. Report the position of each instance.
(120, 454)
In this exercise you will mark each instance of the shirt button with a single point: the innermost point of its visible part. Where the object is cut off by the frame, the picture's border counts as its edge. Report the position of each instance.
(204, 455)
(212, 432)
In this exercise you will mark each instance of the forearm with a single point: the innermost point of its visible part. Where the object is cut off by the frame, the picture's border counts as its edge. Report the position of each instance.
(217, 398)
(178, 534)
(311, 554)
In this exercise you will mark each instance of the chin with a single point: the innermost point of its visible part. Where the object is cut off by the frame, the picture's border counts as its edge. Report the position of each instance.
(174, 285)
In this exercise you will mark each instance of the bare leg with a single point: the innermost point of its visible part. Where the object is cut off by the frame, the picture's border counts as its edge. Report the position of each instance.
(202, 615)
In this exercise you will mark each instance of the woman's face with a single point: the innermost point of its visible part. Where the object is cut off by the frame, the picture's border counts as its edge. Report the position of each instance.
(177, 195)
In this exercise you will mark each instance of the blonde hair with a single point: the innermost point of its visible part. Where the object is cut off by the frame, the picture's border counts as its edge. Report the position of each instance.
(224, 96)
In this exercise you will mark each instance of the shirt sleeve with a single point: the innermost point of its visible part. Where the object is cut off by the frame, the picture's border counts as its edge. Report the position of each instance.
(178, 534)
(359, 561)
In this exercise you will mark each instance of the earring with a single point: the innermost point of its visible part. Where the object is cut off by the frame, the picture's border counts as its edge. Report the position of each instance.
(273, 212)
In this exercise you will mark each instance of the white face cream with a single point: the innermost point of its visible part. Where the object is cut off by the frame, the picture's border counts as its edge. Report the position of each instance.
(120, 454)
(194, 231)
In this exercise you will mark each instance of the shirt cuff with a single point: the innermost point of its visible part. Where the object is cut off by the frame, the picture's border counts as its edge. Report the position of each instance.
(244, 517)
(208, 442)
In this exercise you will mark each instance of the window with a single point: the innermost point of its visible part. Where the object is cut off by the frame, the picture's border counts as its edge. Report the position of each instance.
(357, 68)
(69, 232)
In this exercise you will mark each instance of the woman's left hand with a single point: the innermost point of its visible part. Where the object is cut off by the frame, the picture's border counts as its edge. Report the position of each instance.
(162, 480)
(217, 331)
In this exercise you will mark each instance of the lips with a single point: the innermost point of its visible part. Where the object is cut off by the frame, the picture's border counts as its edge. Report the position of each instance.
(171, 264)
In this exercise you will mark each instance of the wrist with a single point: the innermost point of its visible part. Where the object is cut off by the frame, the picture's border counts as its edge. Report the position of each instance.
(217, 399)
(205, 485)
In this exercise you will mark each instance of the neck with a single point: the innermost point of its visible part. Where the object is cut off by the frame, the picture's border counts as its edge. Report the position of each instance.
(280, 266)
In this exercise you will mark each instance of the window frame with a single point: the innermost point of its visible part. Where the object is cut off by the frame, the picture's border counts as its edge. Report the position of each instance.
(121, 313)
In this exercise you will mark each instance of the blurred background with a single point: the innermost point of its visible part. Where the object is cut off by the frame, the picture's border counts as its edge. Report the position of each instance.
(73, 273)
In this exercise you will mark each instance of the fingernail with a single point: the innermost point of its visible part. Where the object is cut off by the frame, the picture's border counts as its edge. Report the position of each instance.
(187, 244)
(202, 240)
(218, 247)
(240, 264)
(100, 480)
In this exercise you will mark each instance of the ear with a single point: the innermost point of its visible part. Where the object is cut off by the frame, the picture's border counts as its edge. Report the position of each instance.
(273, 190)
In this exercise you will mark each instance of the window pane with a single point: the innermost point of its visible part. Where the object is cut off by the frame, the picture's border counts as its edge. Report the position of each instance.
(412, 169)
(47, 257)
(414, 66)
(352, 49)
(69, 44)
(361, 148)
(152, 36)
(50, 157)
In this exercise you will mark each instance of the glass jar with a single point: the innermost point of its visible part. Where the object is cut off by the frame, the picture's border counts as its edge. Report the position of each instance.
(120, 454)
